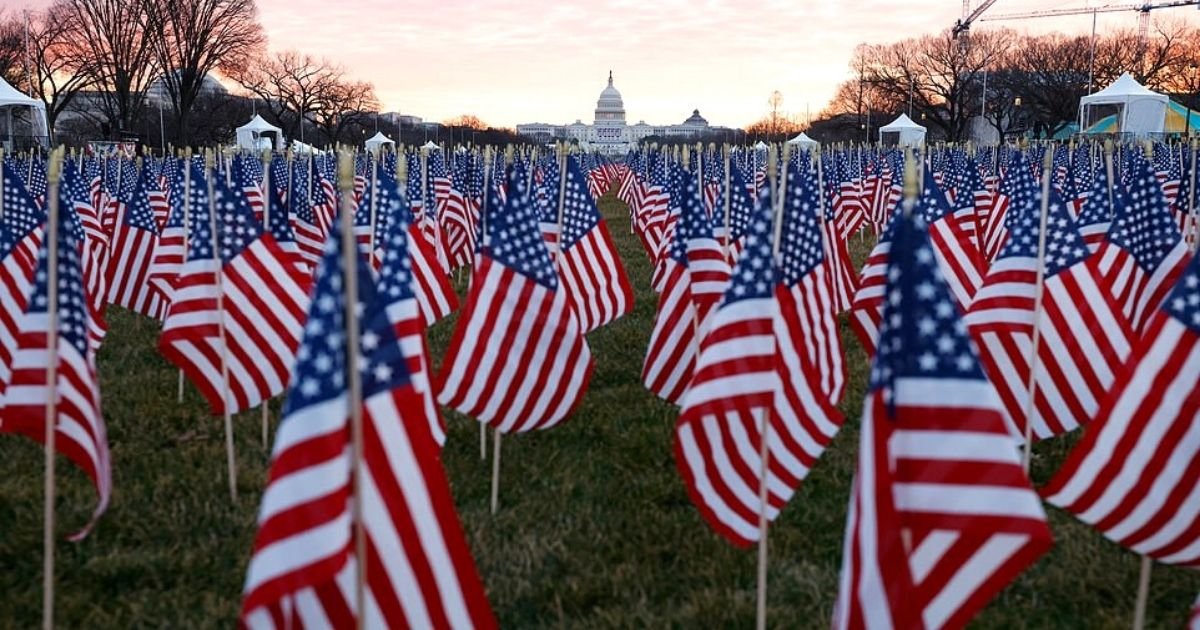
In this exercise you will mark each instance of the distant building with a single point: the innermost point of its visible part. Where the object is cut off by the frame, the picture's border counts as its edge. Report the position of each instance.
(403, 120)
(609, 132)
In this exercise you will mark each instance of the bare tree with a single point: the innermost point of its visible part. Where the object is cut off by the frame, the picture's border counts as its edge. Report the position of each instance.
(192, 38)
(114, 52)
(57, 63)
(466, 121)
(346, 105)
(12, 48)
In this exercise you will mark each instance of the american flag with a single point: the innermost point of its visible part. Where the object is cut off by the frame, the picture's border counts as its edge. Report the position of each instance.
(436, 194)
(1167, 171)
(518, 359)
(695, 278)
(731, 229)
(431, 284)
(122, 183)
(458, 225)
(846, 205)
(743, 374)
(309, 213)
(1135, 474)
(79, 428)
(950, 231)
(808, 309)
(303, 573)
(994, 231)
(867, 308)
(171, 250)
(1083, 338)
(258, 298)
(588, 264)
(941, 514)
(93, 240)
(842, 277)
(1144, 253)
(245, 172)
(133, 246)
(278, 223)
(1095, 216)
(397, 290)
(20, 239)
(434, 293)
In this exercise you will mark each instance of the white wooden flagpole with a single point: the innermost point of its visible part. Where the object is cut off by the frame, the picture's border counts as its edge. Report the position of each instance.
(51, 389)
(487, 171)
(187, 226)
(764, 432)
(230, 457)
(266, 195)
(728, 208)
(353, 377)
(1039, 290)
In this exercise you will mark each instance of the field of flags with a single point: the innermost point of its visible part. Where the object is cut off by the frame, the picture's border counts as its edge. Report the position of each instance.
(983, 306)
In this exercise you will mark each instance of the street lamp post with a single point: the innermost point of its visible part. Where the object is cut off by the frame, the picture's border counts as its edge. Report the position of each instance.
(1195, 95)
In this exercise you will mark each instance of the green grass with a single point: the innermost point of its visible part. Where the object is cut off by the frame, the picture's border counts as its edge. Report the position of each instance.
(595, 528)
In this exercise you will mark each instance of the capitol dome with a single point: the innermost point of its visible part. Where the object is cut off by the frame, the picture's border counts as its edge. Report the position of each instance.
(610, 107)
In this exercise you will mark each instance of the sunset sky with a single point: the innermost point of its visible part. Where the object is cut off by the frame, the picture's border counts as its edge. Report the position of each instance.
(511, 61)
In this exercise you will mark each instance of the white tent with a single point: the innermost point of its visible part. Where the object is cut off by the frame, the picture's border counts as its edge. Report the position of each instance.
(10, 101)
(804, 142)
(253, 135)
(908, 133)
(1139, 109)
(431, 145)
(377, 141)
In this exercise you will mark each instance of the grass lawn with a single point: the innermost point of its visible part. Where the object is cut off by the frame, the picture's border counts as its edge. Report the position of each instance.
(595, 528)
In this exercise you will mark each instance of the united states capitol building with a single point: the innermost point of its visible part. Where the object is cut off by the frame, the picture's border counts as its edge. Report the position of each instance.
(609, 132)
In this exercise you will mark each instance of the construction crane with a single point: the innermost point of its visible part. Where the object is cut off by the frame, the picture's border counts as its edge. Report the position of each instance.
(1143, 10)
(962, 28)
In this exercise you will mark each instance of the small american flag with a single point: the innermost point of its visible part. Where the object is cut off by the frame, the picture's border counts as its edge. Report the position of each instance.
(950, 231)
(1135, 474)
(588, 264)
(1083, 338)
(79, 427)
(20, 241)
(518, 359)
(1144, 253)
(941, 515)
(805, 292)
(743, 374)
(258, 298)
(418, 569)
(695, 276)
(1095, 216)
(133, 245)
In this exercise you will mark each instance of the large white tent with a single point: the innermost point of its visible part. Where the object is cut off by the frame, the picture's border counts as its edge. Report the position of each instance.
(1138, 109)
(804, 142)
(12, 102)
(254, 135)
(378, 141)
(906, 132)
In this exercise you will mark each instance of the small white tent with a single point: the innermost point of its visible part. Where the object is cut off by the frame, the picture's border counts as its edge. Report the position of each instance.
(11, 101)
(253, 135)
(378, 141)
(1139, 110)
(906, 132)
(804, 142)
(431, 145)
